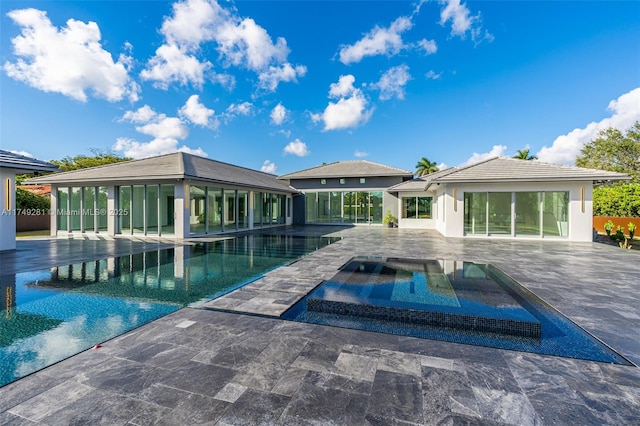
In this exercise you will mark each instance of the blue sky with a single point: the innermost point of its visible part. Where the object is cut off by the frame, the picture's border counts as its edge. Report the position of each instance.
(286, 85)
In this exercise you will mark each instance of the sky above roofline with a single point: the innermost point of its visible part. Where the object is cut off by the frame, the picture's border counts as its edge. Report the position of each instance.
(281, 86)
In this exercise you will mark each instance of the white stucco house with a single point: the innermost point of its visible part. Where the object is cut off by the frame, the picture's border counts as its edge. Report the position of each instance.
(504, 198)
(12, 164)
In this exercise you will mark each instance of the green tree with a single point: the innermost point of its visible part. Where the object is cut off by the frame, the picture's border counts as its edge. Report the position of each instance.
(615, 151)
(425, 167)
(524, 154)
(28, 200)
(99, 158)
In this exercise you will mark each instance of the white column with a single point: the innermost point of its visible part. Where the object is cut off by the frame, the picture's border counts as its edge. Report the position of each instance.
(8, 212)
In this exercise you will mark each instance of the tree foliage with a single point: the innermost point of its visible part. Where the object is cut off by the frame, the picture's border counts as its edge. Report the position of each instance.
(425, 167)
(621, 200)
(28, 200)
(99, 158)
(615, 151)
(524, 154)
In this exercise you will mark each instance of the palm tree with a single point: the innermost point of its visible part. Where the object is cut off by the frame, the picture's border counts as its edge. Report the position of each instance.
(425, 167)
(523, 154)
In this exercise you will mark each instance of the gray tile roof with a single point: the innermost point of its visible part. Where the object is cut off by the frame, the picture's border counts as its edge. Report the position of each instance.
(502, 169)
(420, 183)
(178, 165)
(354, 168)
(26, 164)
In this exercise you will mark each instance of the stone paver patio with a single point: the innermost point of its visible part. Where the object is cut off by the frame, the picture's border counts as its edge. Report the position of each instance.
(206, 366)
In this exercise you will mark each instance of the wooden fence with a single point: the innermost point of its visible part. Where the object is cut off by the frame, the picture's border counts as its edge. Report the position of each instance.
(599, 221)
(33, 222)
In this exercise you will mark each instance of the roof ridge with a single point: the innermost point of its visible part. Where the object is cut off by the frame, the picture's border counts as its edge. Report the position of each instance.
(229, 164)
(309, 168)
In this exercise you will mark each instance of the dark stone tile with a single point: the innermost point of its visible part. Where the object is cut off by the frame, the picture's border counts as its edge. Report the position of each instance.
(8, 419)
(255, 408)
(142, 352)
(397, 396)
(558, 411)
(197, 377)
(26, 388)
(492, 377)
(314, 405)
(121, 376)
(195, 409)
(235, 357)
(341, 383)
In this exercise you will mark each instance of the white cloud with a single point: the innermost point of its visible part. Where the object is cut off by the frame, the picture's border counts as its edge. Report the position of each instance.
(432, 75)
(274, 75)
(430, 47)
(496, 151)
(624, 112)
(134, 149)
(166, 133)
(278, 114)
(23, 153)
(349, 111)
(360, 154)
(141, 115)
(462, 22)
(240, 43)
(344, 86)
(269, 167)
(378, 41)
(194, 111)
(297, 147)
(172, 63)
(69, 60)
(392, 82)
(244, 108)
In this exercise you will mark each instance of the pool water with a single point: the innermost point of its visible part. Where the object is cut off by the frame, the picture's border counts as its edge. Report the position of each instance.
(49, 315)
(456, 301)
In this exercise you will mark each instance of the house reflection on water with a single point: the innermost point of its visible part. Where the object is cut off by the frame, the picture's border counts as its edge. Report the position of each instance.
(183, 274)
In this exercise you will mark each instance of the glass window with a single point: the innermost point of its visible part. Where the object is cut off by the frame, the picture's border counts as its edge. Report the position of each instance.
(323, 181)
(266, 208)
(556, 214)
(424, 207)
(124, 210)
(324, 213)
(527, 213)
(75, 208)
(376, 206)
(343, 181)
(409, 207)
(257, 208)
(63, 209)
(151, 209)
(335, 203)
(311, 209)
(499, 213)
(349, 207)
(243, 209)
(229, 209)
(167, 209)
(102, 214)
(198, 210)
(362, 207)
(214, 210)
(275, 210)
(89, 208)
(475, 213)
(137, 209)
(363, 180)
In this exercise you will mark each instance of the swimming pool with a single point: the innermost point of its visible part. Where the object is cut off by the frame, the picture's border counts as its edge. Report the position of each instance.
(456, 301)
(51, 314)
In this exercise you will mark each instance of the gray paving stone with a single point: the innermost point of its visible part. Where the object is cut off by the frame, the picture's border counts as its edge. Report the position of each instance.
(397, 396)
(255, 408)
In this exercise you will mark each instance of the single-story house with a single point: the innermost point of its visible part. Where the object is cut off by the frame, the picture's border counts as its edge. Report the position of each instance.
(12, 164)
(176, 195)
(182, 195)
(504, 198)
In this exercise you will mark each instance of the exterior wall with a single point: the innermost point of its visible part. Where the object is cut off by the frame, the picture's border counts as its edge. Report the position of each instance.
(580, 219)
(8, 215)
(351, 183)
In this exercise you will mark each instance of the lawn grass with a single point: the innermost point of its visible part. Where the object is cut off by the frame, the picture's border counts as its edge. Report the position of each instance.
(31, 234)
